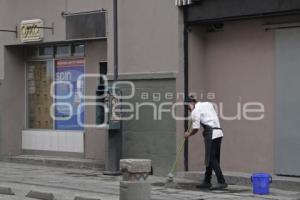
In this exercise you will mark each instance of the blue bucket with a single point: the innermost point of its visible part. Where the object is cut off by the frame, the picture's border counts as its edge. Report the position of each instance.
(261, 183)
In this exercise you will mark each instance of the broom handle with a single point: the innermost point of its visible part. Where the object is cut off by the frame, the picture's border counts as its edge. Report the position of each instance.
(180, 150)
(177, 157)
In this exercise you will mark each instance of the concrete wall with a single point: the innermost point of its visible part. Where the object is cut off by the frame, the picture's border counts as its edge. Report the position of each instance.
(94, 138)
(148, 36)
(147, 136)
(150, 41)
(12, 102)
(238, 66)
(196, 85)
(6, 8)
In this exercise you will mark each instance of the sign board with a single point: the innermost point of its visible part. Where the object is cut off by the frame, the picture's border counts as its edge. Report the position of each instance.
(31, 30)
(70, 87)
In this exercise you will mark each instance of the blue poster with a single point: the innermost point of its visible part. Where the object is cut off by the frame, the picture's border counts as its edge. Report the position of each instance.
(69, 115)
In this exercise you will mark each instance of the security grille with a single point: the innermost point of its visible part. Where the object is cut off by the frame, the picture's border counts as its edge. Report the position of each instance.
(86, 25)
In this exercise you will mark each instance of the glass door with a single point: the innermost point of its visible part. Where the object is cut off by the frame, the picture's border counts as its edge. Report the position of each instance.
(39, 77)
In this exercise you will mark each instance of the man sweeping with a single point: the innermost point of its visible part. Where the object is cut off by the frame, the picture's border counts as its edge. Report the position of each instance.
(203, 114)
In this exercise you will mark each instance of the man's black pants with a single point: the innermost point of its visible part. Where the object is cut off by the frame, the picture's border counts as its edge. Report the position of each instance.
(214, 162)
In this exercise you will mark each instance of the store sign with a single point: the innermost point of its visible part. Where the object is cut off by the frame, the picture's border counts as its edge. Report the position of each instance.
(68, 90)
(31, 30)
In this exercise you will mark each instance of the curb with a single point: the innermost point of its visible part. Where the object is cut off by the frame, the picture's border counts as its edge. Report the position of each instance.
(55, 162)
(279, 182)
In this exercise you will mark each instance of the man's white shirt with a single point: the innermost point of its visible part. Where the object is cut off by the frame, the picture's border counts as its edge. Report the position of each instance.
(205, 113)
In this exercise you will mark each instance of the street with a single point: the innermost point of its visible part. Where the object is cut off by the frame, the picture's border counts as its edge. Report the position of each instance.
(66, 184)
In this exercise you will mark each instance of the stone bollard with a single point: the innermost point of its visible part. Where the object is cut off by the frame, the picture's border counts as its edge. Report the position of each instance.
(135, 173)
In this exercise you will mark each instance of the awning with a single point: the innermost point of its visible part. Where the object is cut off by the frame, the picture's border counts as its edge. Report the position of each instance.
(202, 11)
(183, 2)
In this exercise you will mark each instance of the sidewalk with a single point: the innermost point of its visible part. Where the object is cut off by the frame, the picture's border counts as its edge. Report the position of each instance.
(239, 178)
(68, 183)
(233, 178)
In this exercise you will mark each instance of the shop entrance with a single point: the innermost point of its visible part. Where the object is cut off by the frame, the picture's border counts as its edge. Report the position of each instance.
(53, 88)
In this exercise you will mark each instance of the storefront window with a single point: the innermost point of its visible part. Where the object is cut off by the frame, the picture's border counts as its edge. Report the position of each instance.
(46, 51)
(39, 79)
(78, 50)
(63, 50)
(42, 69)
(68, 111)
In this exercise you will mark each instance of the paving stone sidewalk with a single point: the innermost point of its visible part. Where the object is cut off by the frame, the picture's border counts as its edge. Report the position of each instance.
(66, 184)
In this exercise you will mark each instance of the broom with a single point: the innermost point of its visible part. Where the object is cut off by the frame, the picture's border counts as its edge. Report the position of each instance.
(171, 174)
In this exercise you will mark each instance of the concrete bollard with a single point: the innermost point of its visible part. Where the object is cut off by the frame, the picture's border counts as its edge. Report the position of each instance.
(135, 190)
(135, 173)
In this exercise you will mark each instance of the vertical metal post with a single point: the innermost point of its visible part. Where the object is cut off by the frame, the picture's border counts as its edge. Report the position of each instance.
(186, 88)
(114, 137)
(115, 21)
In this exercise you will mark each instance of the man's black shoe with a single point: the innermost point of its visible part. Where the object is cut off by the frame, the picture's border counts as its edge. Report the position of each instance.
(219, 186)
(203, 185)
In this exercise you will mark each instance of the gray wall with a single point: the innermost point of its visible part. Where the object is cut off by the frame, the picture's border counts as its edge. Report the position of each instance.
(150, 41)
(196, 85)
(12, 102)
(146, 137)
(94, 138)
(148, 36)
(238, 65)
(287, 146)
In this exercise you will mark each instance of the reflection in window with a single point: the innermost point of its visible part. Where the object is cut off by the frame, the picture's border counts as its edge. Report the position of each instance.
(78, 50)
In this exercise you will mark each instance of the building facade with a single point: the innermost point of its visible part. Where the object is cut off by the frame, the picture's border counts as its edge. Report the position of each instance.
(240, 56)
(67, 39)
(245, 53)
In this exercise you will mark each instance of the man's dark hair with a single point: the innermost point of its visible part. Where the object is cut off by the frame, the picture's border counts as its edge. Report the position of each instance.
(191, 99)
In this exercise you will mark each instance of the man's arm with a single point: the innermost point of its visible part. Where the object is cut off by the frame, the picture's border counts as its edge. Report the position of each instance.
(191, 133)
(195, 124)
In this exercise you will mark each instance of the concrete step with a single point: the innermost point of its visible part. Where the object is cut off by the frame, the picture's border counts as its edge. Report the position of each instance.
(55, 161)
(237, 178)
